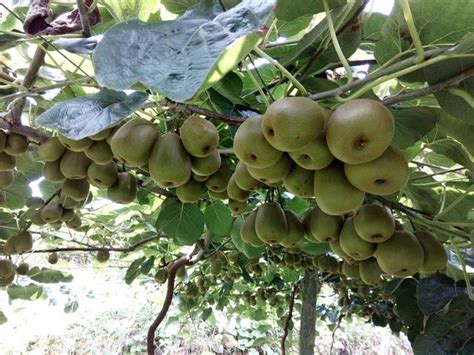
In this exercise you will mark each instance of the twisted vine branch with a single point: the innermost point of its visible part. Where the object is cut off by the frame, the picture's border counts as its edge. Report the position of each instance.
(288, 318)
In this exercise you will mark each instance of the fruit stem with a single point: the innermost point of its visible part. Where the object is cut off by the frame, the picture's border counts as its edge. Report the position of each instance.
(284, 71)
(335, 42)
(420, 55)
(257, 85)
(467, 278)
(463, 95)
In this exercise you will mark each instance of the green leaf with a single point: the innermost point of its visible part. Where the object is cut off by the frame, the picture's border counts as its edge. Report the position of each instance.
(178, 6)
(176, 57)
(454, 151)
(182, 221)
(459, 129)
(30, 292)
(313, 248)
(45, 275)
(206, 314)
(88, 115)
(434, 292)
(133, 270)
(412, 124)
(407, 305)
(298, 205)
(71, 306)
(290, 10)
(126, 9)
(3, 318)
(218, 218)
(147, 265)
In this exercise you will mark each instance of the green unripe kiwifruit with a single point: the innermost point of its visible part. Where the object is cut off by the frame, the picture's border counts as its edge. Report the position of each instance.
(3, 140)
(247, 230)
(74, 165)
(370, 271)
(103, 256)
(402, 255)
(51, 150)
(251, 146)
(67, 202)
(360, 131)
(349, 270)
(218, 195)
(53, 258)
(124, 190)
(3, 198)
(383, 176)
(207, 165)
(374, 223)
(7, 162)
(354, 246)
(300, 182)
(218, 182)
(75, 223)
(102, 176)
(324, 227)
(51, 212)
(77, 189)
(74, 145)
(170, 164)
(336, 249)
(7, 281)
(36, 218)
(7, 178)
(23, 242)
(291, 123)
(334, 194)
(235, 192)
(101, 135)
(99, 152)
(435, 255)
(328, 264)
(244, 180)
(52, 171)
(9, 246)
(199, 136)
(23, 269)
(7, 268)
(191, 191)
(295, 230)
(313, 156)
(133, 142)
(237, 207)
(68, 214)
(199, 177)
(273, 173)
(16, 144)
(161, 276)
(270, 223)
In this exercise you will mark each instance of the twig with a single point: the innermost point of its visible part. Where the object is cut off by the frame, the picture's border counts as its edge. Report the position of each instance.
(412, 29)
(438, 173)
(288, 317)
(430, 89)
(334, 332)
(112, 249)
(83, 13)
(32, 133)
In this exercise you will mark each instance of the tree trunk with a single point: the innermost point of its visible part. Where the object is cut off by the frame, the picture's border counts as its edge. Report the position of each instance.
(308, 313)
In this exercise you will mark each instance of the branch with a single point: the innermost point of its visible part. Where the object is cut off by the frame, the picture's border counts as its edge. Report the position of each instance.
(172, 269)
(288, 318)
(334, 331)
(453, 81)
(32, 133)
(121, 250)
(83, 14)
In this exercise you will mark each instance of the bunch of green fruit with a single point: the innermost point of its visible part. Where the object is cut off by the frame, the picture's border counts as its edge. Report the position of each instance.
(7, 272)
(19, 243)
(11, 146)
(271, 224)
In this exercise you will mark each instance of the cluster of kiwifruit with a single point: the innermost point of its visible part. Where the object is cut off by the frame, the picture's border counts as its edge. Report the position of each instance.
(334, 157)
(8, 270)
(11, 146)
(372, 242)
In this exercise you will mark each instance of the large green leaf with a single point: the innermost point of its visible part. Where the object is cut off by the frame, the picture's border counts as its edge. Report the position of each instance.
(412, 124)
(288, 10)
(434, 292)
(454, 151)
(178, 6)
(126, 9)
(45, 275)
(176, 57)
(134, 270)
(218, 218)
(88, 115)
(30, 292)
(182, 221)
(461, 130)
(3, 318)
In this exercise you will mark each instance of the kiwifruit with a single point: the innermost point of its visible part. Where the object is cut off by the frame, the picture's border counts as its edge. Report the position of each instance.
(7, 162)
(270, 223)
(23, 241)
(124, 190)
(218, 195)
(77, 189)
(161, 276)
(16, 144)
(68, 214)
(370, 271)
(207, 165)
(103, 256)
(360, 131)
(102, 176)
(74, 165)
(300, 182)
(244, 180)
(191, 191)
(51, 212)
(199, 177)
(218, 182)
(133, 142)
(324, 227)
(353, 244)
(7, 268)
(23, 269)
(7, 179)
(313, 156)
(51, 150)
(36, 218)
(327, 263)
(235, 192)
(75, 223)
(295, 230)
(247, 230)
(199, 136)
(101, 135)
(374, 223)
(273, 173)
(9, 246)
(53, 258)
(237, 207)
(435, 255)
(99, 152)
(291, 123)
(350, 270)
(52, 171)
(3, 140)
(251, 146)
(75, 145)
